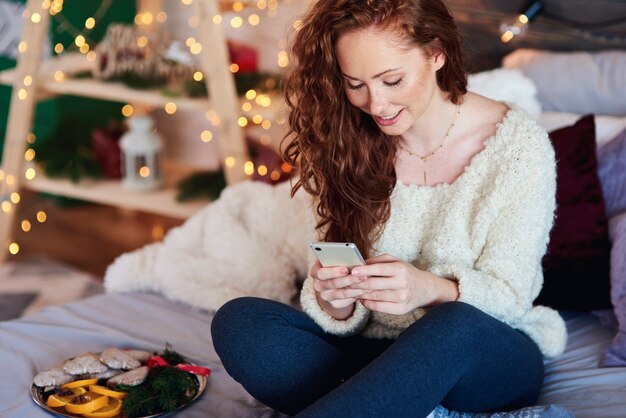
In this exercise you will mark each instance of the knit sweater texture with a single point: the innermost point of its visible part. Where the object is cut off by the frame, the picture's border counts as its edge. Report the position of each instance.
(488, 230)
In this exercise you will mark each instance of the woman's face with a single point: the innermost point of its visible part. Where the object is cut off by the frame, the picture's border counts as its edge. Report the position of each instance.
(387, 78)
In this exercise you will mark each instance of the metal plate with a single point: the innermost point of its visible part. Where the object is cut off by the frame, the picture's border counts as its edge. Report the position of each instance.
(38, 396)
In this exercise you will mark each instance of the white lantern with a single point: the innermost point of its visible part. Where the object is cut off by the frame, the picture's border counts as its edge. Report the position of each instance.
(141, 149)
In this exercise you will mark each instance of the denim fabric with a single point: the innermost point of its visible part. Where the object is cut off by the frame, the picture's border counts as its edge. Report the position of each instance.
(455, 355)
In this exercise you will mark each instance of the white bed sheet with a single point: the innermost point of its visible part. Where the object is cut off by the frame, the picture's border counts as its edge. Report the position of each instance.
(148, 321)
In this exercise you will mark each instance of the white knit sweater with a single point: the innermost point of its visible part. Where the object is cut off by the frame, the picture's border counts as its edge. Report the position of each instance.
(488, 230)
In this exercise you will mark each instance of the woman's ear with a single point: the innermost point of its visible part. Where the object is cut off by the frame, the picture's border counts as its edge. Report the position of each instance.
(438, 59)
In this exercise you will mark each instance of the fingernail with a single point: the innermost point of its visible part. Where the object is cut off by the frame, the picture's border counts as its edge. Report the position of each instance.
(345, 271)
(356, 272)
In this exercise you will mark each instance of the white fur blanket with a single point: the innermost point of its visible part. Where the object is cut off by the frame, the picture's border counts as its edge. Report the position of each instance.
(253, 240)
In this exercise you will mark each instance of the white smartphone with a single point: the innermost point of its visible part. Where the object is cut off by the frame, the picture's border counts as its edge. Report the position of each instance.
(331, 254)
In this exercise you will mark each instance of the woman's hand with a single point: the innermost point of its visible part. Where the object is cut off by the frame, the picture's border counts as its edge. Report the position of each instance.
(397, 287)
(332, 285)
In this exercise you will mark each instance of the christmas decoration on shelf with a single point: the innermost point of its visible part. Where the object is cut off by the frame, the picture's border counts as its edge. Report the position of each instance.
(140, 59)
(106, 149)
(141, 155)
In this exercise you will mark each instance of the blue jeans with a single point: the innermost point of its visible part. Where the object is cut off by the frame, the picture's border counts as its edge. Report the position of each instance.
(456, 356)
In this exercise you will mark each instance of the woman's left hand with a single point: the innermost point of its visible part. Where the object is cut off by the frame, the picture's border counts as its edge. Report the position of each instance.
(397, 287)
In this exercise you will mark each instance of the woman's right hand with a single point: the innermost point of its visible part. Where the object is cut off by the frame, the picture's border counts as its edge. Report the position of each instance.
(331, 287)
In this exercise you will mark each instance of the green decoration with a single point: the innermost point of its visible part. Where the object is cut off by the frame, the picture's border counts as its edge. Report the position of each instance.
(201, 185)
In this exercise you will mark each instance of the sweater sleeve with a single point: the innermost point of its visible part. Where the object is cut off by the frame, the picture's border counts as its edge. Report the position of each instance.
(311, 307)
(507, 276)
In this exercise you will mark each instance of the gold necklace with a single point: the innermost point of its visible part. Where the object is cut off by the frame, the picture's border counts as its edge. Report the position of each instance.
(437, 147)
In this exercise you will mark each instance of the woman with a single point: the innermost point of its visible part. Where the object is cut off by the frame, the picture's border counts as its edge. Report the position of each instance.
(449, 195)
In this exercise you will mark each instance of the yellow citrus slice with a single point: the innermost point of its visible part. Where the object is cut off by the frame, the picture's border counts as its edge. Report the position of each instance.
(108, 392)
(87, 402)
(111, 409)
(79, 383)
(59, 399)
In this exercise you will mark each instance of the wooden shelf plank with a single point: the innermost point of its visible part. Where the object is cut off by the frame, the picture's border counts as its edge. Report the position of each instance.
(112, 192)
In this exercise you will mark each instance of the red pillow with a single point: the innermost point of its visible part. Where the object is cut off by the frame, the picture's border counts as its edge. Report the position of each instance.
(576, 265)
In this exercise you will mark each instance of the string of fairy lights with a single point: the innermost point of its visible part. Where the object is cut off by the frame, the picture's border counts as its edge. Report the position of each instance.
(231, 14)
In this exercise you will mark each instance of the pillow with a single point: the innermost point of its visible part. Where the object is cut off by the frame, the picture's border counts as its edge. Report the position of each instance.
(612, 172)
(607, 127)
(576, 265)
(615, 356)
(506, 85)
(578, 82)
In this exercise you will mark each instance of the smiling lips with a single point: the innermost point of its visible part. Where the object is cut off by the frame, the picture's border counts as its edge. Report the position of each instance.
(388, 120)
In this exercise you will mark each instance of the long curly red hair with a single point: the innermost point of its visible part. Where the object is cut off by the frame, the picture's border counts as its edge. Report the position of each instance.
(342, 157)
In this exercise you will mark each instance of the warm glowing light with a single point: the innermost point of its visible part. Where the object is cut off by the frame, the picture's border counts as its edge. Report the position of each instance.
(170, 108)
(158, 232)
(128, 110)
(186, 2)
(84, 48)
(263, 100)
(229, 162)
(30, 174)
(196, 48)
(59, 76)
(286, 168)
(261, 4)
(262, 170)
(257, 119)
(22, 94)
(254, 19)
(234, 68)
(1, 175)
(14, 248)
(237, 6)
(246, 107)
(35, 17)
(217, 19)
(236, 22)
(15, 197)
(31, 138)
(506, 36)
(45, 4)
(41, 216)
(250, 94)
(91, 56)
(267, 124)
(22, 46)
(29, 155)
(283, 59)
(142, 41)
(138, 19)
(79, 41)
(198, 76)
(144, 171)
(275, 175)
(272, 4)
(190, 41)
(248, 168)
(58, 48)
(147, 18)
(266, 139)
(523, 18)
(10, 180)
(242, 121)
(206, 136)
(161, 17)
(297, 24)
(28, 80)
(211, 114)
(26, 226)
(90, 23)
(6, 207)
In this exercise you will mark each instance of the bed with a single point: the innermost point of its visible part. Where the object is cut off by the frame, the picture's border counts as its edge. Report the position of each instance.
(167, 293)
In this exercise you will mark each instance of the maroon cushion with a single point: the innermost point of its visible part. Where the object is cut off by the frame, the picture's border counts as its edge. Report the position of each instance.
(576, 265)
